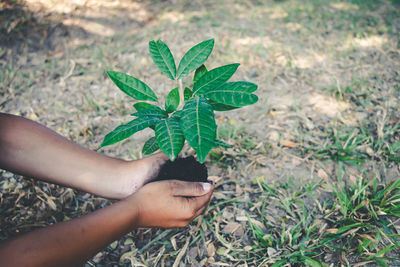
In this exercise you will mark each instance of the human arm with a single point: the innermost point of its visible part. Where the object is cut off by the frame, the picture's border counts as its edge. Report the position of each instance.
(160, 204)
(33, 150)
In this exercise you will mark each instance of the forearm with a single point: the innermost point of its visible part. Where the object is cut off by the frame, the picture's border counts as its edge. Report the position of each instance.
(70, 243)
(31, 149)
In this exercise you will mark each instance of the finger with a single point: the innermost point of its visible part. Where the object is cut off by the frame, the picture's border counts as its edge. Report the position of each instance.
(198, 203)
(206, 203)
(154, 163)
(200, 211)
(190, 189)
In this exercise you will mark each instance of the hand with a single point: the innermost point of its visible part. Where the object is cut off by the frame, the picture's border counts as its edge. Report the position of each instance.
(170, 204)
(135, 174)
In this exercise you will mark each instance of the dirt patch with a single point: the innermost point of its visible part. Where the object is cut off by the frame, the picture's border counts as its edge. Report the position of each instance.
(184, 169)
(22, 29)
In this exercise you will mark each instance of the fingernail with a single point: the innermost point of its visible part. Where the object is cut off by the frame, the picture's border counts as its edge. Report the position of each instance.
(206, 186)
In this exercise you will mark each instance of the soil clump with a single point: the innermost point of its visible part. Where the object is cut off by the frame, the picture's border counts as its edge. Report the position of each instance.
(184, 169)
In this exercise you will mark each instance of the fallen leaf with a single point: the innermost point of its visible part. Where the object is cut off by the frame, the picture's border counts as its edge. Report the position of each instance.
(332, 230)
(258, 224)
(323, 175)
(239, 190)
(352, 179)
(128, 242)
(211, 250)
(287, 143)
(173, 243)
(379, 212)
(241, 218)
(227, 214)
(130, 255)
(181, 253)
(220, 195)
(193, 252)
(114, 244)
(271, 251)
(257, 205)
(369, 151)
(273, 136)
(368, 237)
(221, 251)
(51, 204)
(231, 227)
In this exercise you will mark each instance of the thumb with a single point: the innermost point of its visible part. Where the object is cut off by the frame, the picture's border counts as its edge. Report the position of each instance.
(191, 189)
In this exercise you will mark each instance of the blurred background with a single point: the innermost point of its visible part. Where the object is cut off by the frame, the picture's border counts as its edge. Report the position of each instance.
(328, 114)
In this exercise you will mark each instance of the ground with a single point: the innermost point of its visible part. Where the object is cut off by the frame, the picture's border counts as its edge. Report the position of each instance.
(313, 175)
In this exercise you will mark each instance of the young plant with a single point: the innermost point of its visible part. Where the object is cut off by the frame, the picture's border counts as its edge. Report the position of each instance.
(188, 113)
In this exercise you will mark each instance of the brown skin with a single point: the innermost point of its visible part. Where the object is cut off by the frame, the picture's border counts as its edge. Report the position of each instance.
(33, 150)
(160, 204)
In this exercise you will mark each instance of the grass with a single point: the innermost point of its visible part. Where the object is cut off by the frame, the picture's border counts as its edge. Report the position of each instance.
(355, 220)
(283, 213)
(348, 16)
(365, 212)
(236, 136)
(359, 92)
(355, 145)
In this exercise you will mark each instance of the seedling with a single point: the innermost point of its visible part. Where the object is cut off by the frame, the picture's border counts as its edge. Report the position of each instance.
(188, 113)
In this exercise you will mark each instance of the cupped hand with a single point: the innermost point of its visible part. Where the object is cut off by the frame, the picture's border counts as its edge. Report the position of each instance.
(170, 204)
(134, 174)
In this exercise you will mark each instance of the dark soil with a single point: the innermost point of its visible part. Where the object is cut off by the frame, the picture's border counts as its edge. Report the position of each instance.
(184, 169)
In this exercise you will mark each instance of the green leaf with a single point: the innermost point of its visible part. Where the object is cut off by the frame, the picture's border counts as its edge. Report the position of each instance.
(214, 78)
(312, 263)
(279, 263)
(172, 101)
(199, 72)
(126, 130)
(198, 126)
(163, 58)
(177, 114)
(150, 146)
(169, 137)
(151, 113)
(194, 58)
(187, 94)
(143, 106)
(131, 86)
(236, 94)
(220, 143)
(220, 107)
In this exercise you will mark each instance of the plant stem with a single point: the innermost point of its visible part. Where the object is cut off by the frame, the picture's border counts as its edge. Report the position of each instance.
(181, 95)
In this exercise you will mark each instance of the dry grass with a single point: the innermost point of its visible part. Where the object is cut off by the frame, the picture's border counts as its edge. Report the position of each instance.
(328, 73)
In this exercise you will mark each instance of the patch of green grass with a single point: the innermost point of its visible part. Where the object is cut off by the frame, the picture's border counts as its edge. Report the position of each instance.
(230, 131)
(236, 136)
(357, 220)
(354, 145)
(361, 219)
(367, 4)
(359, 92)
(357, 17)
(384, 141)
(292, 239)
(343, 145)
